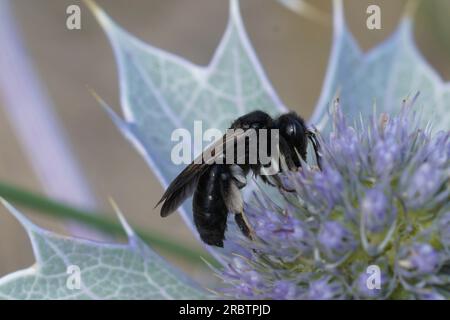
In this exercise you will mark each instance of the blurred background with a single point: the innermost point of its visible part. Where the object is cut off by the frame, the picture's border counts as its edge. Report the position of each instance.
(294, 51)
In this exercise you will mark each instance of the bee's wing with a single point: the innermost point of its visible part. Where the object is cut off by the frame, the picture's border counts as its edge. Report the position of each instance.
(183, 186)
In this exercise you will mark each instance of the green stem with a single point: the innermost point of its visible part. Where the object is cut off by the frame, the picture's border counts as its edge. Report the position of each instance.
(99, 221)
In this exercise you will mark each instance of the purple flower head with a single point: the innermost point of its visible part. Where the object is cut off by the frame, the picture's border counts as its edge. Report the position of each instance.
(240, 265)
(423, 184)
(285, 290)
(430, 295)
(335, 240)
(328, 184)
(376, 210)
(385, 156)
(444, 229)
(283, 232)
(381, 197)
(239, 268)
(372, 283)
(245, 290)
(346, 144)
(325, 288)
(418, 259)
(439, 150)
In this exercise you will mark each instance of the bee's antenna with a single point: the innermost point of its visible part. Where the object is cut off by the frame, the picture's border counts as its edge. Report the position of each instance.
(313, 138)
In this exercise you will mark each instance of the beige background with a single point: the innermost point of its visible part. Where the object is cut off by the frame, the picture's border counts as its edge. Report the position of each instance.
(293, 50)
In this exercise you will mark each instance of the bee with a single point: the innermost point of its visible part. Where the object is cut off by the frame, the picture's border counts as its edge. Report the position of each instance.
(215, 185)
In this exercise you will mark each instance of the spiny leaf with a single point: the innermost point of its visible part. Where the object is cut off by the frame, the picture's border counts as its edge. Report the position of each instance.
(107, 271)
(98, 221)
(386, 75)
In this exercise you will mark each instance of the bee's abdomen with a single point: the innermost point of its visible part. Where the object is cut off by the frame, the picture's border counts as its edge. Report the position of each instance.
(210, 211)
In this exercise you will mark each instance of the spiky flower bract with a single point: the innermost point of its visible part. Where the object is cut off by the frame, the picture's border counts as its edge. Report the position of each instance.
(374, 223)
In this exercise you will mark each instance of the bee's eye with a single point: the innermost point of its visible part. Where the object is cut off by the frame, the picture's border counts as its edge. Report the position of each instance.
(290, 130)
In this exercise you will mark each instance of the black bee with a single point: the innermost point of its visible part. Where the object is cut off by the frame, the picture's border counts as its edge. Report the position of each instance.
(215, 184)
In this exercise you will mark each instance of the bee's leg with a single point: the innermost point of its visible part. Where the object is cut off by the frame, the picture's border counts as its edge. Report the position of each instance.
(272, 179)
(238, 175)
(235, 204)
(244, 226)
(316, 145)
(288, 160)
(275, 181)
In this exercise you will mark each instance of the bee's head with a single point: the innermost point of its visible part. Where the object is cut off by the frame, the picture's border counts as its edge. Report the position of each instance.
(293, 129)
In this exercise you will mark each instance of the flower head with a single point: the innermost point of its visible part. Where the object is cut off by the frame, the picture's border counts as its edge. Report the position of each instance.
(376, 211)
(325, 288)
(374, 223)
(335, 240)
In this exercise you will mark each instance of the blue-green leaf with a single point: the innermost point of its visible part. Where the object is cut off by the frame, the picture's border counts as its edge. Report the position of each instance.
(105, 271)
(161, 92)
(385, 76)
